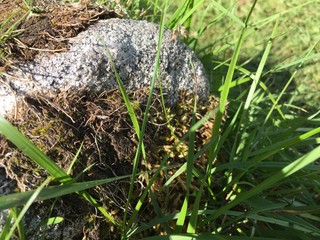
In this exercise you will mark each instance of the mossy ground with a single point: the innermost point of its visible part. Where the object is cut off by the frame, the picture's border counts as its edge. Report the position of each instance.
(60, 123)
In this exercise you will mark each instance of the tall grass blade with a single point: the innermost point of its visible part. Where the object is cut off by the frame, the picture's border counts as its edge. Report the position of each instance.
(261, 154)
(223, 103)
(27, 147)
(126, 99)
(229, 14)
(177, 14)
(6, 227)
(189, 12)
(17, 199)
(287, 171)
(190, 162)
(262, 63)
(144, 124)
(34, 153)
(27, 206)
(301, 62)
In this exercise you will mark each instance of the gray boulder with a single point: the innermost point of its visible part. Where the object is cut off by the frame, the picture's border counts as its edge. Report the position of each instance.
(133, 47)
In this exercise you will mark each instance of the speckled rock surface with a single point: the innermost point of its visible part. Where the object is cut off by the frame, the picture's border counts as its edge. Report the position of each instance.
(133, 47)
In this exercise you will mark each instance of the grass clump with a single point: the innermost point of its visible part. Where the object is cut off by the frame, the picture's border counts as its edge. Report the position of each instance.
(101, 124)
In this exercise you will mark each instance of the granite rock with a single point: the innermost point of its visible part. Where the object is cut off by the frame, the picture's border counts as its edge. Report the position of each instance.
(133, 48)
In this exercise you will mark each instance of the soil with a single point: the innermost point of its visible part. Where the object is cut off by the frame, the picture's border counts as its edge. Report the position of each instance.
(44, 26)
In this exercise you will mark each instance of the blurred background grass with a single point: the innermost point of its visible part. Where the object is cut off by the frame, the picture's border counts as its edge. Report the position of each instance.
(298, 31)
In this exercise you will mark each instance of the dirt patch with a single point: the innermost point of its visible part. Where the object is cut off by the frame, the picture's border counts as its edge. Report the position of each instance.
(58, 124)
(44, 26)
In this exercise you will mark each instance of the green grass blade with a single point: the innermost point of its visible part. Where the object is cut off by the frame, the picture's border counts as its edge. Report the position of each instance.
(54, 220)
(181, 170)
(23, 143)
(20, 226)
(177, 14)
(182, 215)
(159, 213)
(287, 171)
(273, 100)
(31, 199)
(229, 14)
(74, 159)
(126, 99)
(6, 227)
(231, 69)
(261, 154)
(189, 12)
(262, 63)
(218, 120)
(144, 124)
(190, 162)
(243, 143)
(26, 146)
(17, 199)
(301, 62)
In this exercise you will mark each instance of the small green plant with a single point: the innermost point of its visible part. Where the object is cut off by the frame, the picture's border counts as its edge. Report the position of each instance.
(8, 30)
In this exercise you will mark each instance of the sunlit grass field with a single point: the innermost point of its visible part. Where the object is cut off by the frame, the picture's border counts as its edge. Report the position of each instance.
(261, 174)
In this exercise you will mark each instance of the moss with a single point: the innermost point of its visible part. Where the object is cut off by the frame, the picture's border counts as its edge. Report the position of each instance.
(58, 124)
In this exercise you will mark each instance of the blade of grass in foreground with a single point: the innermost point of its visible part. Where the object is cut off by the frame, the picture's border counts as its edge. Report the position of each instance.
(244, 141)
(143, 127)
(6, 227)
(190, 161)
(17, 199)
(126, 99)
(258, 74)
(26, 146)
(31, 199)
(287, 171)
(192, 226)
